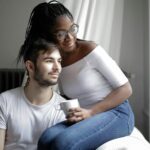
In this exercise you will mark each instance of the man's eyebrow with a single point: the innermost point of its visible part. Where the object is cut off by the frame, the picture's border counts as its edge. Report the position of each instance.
(48, 57)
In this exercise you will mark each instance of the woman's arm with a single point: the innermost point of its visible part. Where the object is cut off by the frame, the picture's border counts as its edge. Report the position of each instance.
(121, 89)
(115, 98)
(2, 138)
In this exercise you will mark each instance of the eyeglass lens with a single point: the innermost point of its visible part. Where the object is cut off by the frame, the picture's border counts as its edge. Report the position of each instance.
(60, 35)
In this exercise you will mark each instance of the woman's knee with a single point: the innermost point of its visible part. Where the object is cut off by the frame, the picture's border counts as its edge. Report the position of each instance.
(45, 138)
(49, 135)
(62, 141)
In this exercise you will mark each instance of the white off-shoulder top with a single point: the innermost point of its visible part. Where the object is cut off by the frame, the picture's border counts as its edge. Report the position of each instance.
(91, 78)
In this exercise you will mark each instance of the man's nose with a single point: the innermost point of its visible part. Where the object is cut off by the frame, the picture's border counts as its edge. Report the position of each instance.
(57, 66)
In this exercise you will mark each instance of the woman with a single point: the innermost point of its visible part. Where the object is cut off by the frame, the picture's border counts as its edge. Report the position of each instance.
(88, 74)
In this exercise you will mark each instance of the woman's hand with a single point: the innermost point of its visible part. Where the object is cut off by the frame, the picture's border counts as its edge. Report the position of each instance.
(78, 114)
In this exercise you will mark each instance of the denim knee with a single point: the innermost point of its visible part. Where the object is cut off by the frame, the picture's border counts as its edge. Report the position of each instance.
(50, 134)
(127, 113)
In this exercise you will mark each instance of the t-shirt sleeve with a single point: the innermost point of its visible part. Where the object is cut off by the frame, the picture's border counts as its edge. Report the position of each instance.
(104, 64)
(3, 114)
(61, 116)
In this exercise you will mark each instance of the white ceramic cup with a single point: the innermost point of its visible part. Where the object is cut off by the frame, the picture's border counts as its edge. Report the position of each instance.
(66, 105)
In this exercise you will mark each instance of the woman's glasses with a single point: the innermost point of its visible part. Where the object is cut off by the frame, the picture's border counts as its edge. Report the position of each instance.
(61, 34)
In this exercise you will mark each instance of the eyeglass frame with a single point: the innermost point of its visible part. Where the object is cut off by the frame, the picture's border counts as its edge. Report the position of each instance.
(65, 32)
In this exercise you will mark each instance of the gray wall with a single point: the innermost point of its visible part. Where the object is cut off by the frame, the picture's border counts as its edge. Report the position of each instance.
(134, 56)
(134, 48)
(14, 16)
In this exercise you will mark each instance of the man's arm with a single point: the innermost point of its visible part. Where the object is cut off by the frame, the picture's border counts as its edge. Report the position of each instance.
(2, 138)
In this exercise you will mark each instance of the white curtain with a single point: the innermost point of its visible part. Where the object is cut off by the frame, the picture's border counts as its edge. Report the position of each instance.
(94, 18)
(99, 21)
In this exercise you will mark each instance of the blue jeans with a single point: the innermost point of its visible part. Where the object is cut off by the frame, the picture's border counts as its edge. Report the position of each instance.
(89, 133)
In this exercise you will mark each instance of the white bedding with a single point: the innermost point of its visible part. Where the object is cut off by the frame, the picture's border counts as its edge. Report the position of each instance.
(135, 141)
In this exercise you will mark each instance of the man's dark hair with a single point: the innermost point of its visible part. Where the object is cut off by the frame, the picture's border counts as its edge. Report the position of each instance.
(35, 47)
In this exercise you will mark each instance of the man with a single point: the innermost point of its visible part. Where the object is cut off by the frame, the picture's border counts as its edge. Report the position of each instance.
(25, 112)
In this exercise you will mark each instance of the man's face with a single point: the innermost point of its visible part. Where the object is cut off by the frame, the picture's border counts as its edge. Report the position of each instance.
(48, 68)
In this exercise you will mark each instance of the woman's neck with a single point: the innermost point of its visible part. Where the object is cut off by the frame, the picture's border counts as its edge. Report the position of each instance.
(71, 57)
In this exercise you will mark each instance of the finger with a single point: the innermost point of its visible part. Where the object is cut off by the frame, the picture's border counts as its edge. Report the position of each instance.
(75, 114)
(71, 119)
(75, 109)
(78, 114)
(70, 114)
(79, 119)
(75, 119)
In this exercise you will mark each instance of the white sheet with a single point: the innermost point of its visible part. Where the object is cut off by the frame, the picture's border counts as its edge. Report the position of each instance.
(135, 141)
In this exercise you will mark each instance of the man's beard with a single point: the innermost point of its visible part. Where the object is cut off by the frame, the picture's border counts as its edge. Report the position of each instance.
(43, 82)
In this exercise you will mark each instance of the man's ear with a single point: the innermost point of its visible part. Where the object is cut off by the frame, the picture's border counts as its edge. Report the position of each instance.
(29, 66)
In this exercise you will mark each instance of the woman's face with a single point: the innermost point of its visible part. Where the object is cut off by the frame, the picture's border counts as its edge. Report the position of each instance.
(64, 33)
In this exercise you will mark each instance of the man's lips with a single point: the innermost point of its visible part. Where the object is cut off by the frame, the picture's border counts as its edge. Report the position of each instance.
(54, 74)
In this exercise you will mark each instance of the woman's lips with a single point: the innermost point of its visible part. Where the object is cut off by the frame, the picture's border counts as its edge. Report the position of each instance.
(69, 44)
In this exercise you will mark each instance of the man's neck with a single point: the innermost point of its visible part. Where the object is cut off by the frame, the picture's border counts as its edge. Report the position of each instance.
(38, 95)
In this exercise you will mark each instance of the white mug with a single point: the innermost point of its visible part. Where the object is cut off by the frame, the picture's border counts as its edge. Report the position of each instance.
(66, 105)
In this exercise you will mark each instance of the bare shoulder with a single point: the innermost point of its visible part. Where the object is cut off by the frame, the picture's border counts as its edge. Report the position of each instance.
(86, 46)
